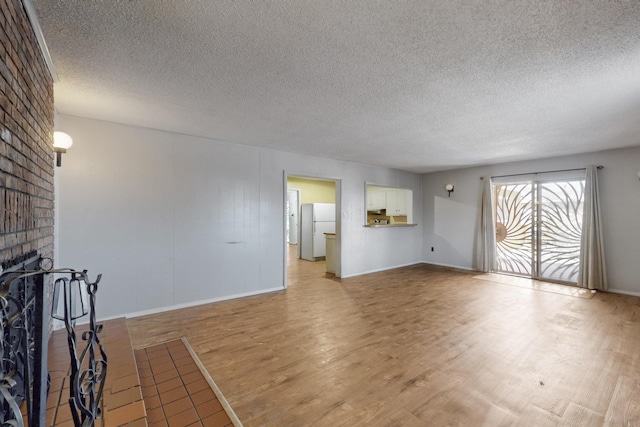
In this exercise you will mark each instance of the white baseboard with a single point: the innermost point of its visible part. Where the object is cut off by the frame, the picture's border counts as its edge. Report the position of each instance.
(191, 304)
(451, 266)
(622, 292)
(381, 269)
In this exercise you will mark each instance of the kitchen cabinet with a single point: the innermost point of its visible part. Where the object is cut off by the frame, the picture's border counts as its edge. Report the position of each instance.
(397, 203)
(376, 200)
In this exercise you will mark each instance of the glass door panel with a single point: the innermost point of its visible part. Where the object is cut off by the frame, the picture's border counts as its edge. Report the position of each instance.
(514, 227)
(561, 205)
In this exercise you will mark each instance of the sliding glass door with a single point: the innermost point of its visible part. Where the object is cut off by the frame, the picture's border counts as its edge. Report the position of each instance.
(560, 229)
(515, 243)
(538, 228)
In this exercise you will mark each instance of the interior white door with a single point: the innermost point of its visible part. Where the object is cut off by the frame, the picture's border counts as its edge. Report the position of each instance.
(293, 213)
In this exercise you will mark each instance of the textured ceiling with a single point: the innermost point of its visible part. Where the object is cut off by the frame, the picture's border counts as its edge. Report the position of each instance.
(414, 85)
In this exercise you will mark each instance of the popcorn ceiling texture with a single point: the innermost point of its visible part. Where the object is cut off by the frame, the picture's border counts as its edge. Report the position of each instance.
(415, 85)
(26, 125)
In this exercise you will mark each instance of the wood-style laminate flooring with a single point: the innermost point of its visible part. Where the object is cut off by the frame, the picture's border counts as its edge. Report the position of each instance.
(416, 346)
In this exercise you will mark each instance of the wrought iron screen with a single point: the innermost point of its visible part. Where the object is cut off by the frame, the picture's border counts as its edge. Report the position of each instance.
(25, 314)
(23, 348)
(538, 228)
(561, 205)
(514, 227)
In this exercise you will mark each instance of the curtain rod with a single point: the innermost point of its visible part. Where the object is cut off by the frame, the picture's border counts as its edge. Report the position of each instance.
(536, 173)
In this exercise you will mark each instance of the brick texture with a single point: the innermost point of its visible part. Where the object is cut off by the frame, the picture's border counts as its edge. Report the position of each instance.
(26, 135)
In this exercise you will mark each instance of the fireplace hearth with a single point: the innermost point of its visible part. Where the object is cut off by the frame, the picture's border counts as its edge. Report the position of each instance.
(25, 314)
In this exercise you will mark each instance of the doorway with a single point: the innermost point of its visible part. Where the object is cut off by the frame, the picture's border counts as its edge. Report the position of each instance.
(320, 192)
(539, 227)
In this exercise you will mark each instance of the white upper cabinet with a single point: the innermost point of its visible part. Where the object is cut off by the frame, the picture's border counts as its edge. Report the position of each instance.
(398, 203)
(376, 200)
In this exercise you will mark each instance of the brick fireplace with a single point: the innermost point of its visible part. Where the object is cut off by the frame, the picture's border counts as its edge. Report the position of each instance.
(26, 167)
(26, 129)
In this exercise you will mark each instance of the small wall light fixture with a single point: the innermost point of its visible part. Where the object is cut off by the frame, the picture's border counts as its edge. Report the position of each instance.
(61, 141)
(449, 188)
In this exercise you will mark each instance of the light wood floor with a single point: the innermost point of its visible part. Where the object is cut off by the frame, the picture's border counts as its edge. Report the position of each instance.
(417, 346)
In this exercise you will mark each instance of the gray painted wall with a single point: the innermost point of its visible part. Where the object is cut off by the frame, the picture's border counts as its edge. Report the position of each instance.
(451, 224)
(173, 220)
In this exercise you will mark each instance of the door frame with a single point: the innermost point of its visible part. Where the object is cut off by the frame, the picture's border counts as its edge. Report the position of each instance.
(338, 203)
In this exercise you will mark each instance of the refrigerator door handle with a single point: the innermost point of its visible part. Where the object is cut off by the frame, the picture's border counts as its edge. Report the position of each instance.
(314, 227)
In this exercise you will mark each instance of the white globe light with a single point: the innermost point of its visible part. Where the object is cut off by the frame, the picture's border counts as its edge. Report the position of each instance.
(62, 140)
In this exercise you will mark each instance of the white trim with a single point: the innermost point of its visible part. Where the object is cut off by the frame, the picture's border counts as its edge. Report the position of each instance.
(191, 304)
(227, 408)
(382, 269)
(451, 266)
(622, 292)
(42, 44)
(285, 249)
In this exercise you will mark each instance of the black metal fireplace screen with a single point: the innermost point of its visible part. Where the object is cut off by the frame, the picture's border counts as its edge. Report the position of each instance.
(25, 309)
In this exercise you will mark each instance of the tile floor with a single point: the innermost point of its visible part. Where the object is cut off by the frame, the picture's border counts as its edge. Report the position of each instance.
(122, 403)
(160, 385)
(175, 390)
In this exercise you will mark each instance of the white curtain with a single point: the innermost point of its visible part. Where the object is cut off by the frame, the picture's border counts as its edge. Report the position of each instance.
(593, 271)
(487, 260)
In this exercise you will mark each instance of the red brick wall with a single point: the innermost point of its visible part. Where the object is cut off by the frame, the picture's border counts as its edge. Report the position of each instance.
(26, 129)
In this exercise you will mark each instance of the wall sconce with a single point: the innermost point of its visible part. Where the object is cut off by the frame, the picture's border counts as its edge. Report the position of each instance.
(449, 188)
(61, 141)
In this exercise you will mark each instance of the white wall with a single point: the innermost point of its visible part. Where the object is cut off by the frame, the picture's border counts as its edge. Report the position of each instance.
(173, 220)
(451, 224)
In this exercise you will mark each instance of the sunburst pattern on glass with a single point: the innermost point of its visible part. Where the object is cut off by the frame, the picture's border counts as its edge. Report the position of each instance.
(560, 228)
(514, 226)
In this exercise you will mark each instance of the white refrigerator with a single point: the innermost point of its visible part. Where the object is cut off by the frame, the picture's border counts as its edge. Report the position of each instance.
(315, 220)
